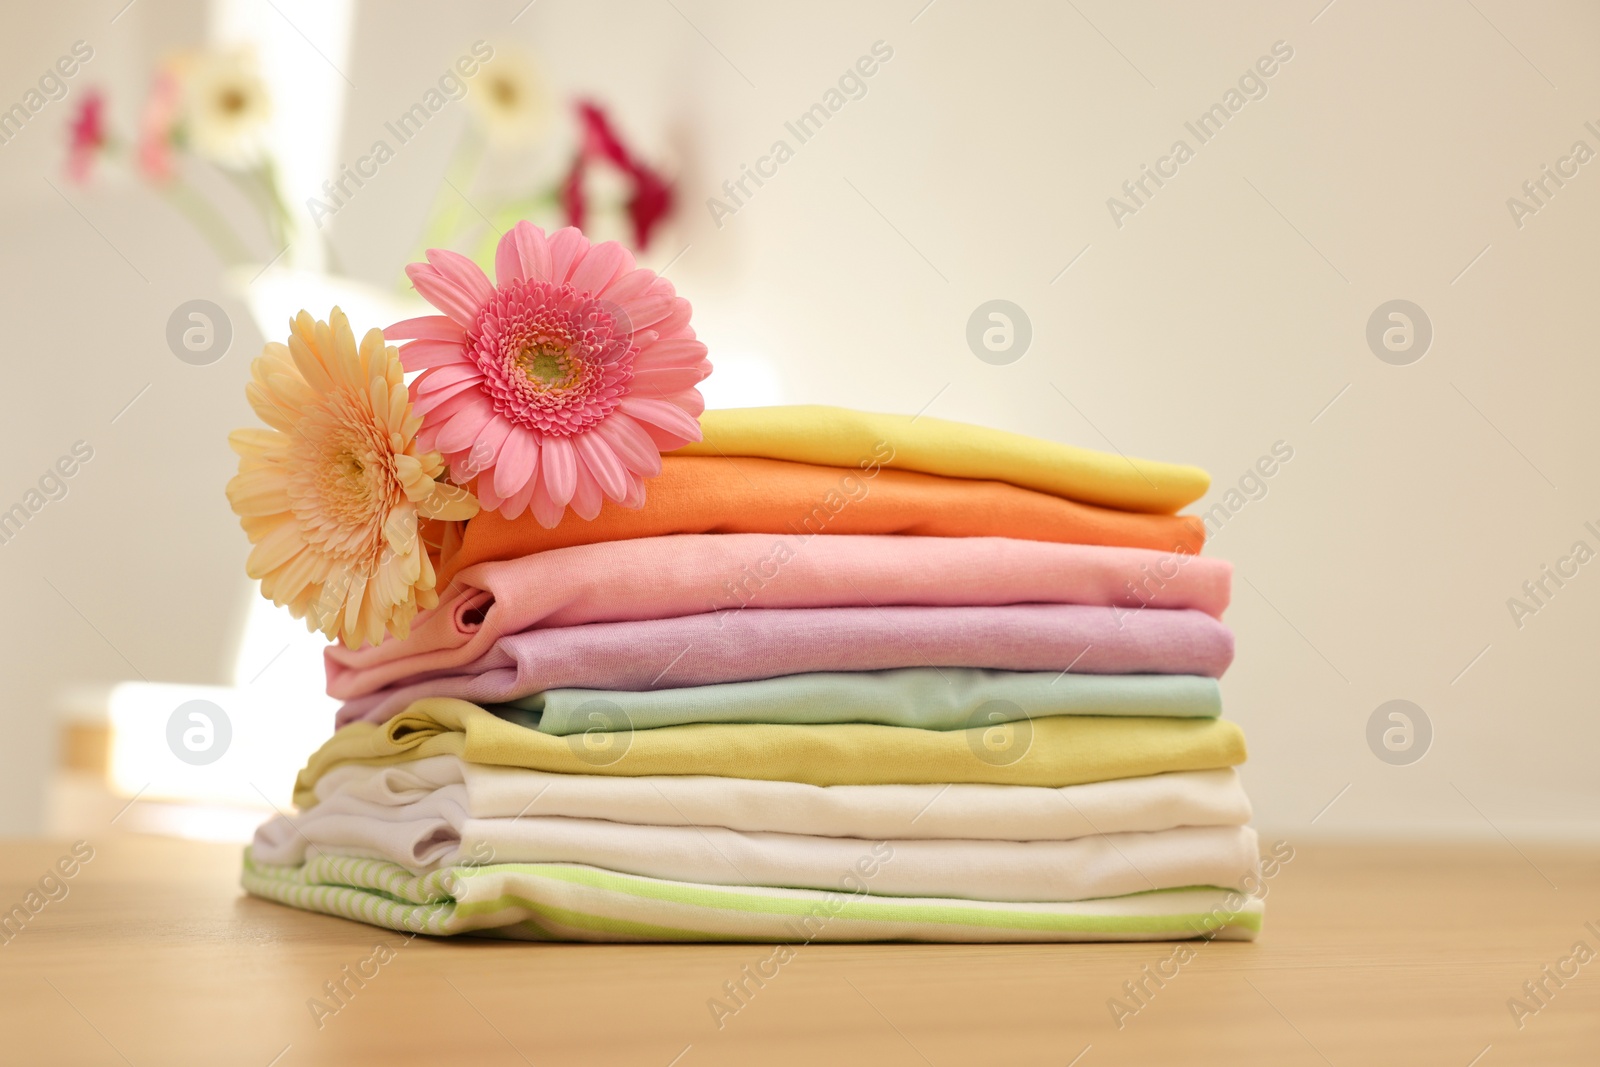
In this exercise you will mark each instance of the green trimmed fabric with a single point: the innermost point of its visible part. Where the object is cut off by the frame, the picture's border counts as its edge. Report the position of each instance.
(572, 902)
(928, 698)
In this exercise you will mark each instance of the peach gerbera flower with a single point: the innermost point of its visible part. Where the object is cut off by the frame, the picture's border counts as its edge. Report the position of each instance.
(331, 495)
(559, 384)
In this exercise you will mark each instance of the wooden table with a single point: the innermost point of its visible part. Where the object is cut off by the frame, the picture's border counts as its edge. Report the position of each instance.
(1392, 954)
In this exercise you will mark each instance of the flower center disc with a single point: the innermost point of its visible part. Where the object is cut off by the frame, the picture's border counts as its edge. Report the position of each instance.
(554, 359)
(341, 487)
(547, 367)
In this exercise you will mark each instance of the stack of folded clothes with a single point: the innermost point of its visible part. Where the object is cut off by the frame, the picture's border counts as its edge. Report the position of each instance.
(842, 677)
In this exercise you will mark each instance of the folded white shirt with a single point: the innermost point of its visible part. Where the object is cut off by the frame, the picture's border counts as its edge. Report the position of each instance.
(1084, 868)
(893, 812)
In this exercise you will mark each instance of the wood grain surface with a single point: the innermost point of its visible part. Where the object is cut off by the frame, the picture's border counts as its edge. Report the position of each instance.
(1372, 954)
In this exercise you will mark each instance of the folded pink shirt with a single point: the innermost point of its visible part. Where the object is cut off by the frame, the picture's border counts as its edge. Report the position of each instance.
(688, 574)
(742, 646)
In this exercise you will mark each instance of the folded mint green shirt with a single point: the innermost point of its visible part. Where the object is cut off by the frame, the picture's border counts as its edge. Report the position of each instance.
(930, 698)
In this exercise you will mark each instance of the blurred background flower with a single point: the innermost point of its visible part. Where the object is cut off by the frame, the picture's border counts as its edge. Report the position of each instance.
(600, 184)
(211, 104)
(648, 196)
(509, 101)
(86, 136)
(157, 121)
(226, 108)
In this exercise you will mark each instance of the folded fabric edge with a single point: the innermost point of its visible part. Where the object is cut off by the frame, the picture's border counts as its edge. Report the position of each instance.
(434, 726)
(571, 902)
(1081, 473)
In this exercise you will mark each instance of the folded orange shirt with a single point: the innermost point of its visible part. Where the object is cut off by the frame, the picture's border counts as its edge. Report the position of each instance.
(716, 494)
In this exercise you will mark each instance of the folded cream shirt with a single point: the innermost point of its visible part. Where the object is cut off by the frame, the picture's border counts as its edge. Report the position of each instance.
(1084, 868)
(450, 787)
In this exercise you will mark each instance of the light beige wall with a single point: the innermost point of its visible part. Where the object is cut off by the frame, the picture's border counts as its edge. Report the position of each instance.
(1218, 319)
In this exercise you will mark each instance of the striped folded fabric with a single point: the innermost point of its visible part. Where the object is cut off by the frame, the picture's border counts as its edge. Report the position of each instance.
(572, 902)
(842, 677)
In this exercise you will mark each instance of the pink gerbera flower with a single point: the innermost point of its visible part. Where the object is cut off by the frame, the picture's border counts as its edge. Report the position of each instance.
(559, 385)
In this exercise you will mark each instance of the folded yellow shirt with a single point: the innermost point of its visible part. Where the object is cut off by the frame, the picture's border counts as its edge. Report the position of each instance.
(839, 437)
(1053, 751)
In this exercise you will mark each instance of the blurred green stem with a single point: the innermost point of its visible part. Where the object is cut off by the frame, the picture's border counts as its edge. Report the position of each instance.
(205, 218)
(449, 206)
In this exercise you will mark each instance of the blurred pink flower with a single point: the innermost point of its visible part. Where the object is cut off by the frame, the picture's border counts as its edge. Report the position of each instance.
(651, 199)
(559, 385)
(157, 124)
(88, 135)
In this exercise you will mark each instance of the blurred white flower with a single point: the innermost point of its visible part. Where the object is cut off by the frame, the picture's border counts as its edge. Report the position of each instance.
(226, 107)
(509, 100)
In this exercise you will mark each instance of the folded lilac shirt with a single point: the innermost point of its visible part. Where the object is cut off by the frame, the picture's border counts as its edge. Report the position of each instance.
(687, 574)
(742, 646)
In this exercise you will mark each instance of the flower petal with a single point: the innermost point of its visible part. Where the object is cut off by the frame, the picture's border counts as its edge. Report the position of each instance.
(546, 511)
(467, 275)
(488, 499)
(272, 406)
(249, 441)
(486, 449)
(519, 503)
(278, 547)
(650, 307)
(420, 355)
(660, 381)
(560, 468)
(677, 322)
(426, 328)
(631, 444)
(438, 413)
(669, 418)
(443, 294)
(567, 246)
(462, 430)
(426, 403)
(310, 367)
(678, 352)
(602, 263)
(263, 491)
(441, 377)
(635, 498)
(518, 457)
(533, 250)
(350, 628)
(597, 460)
(587, 496)
(628, 285)
(690, 400)
(507, 260)
(287, 583)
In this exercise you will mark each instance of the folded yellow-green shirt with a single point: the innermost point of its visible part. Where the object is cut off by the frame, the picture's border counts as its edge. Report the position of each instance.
(839, 437)
(1042, 752)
